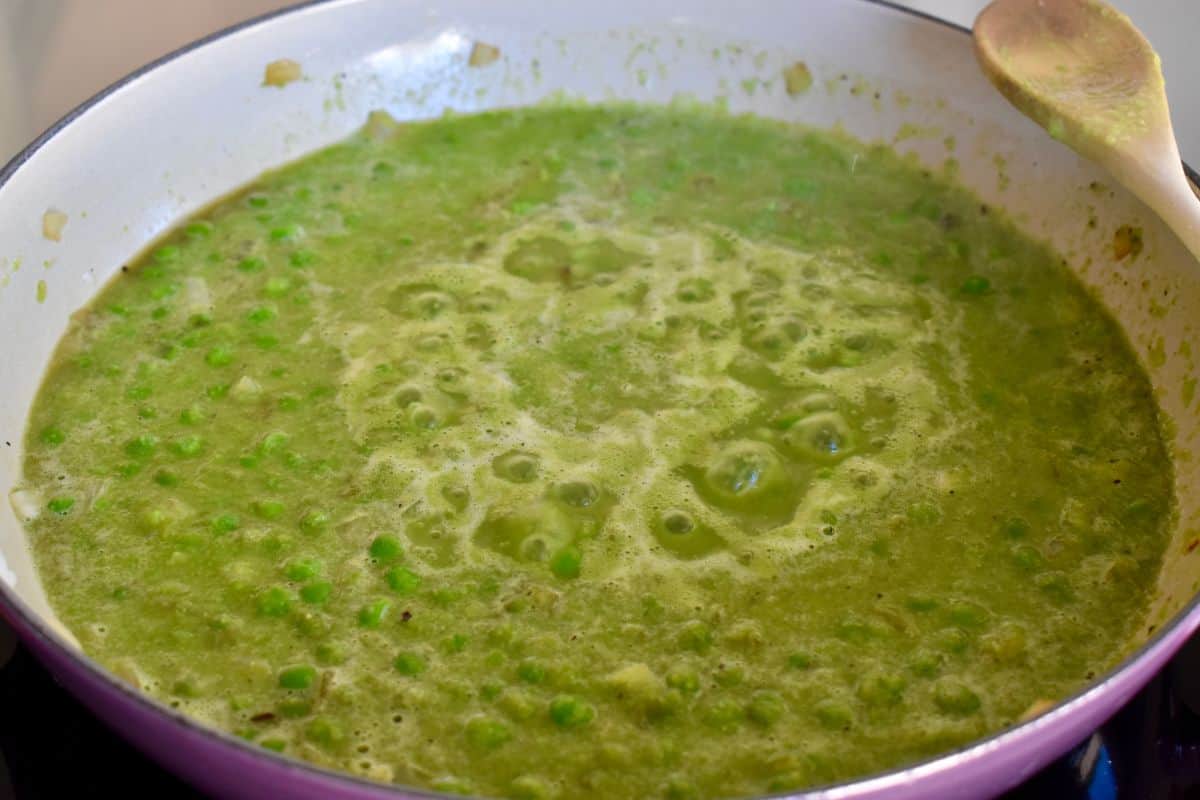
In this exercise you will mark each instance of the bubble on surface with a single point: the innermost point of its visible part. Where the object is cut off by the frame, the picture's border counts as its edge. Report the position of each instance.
(542, 259)
(683, 536)
(577, 493)
(744, 472)
(516, 466)
(822, 437)
(532, 532)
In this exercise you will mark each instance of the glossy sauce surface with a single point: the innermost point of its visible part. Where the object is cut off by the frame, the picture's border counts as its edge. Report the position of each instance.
(626, 451)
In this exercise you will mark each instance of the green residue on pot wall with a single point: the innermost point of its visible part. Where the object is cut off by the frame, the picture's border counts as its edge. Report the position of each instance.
(1127, 241)
(797, 78)
(1001, 164)
(1157, 355)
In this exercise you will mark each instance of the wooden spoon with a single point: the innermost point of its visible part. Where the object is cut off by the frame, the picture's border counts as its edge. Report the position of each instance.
(1081, 70)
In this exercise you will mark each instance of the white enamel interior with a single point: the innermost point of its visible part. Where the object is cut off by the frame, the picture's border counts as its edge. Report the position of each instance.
(201, 124)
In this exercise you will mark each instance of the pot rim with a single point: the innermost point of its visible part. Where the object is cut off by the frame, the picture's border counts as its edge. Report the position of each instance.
(29, 623)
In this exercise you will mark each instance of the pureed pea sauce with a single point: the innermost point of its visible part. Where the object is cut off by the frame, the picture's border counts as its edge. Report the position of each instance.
(615, 451)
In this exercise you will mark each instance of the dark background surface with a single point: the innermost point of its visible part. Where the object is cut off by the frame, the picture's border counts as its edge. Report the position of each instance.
(51, 747)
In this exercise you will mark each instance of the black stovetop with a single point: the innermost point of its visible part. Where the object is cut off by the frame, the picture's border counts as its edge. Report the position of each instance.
(51, 747)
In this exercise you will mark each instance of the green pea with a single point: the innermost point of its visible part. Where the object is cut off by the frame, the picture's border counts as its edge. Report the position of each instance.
(198, 230)
(729, 675)
(372, 614)
(723, 715)
(273, 441)
(257, 201)
(219, 357)
(277, 286)
(566, 563)
(920, 603)
(225, 523)
(696, 636)
(881, 689)
(833, 715)
(167, 479)
(166, 254)
(456, 643)
(386, 548)
(642, 197)
(967, 615)
(954, 697)
(799, 660)
(141, 446)
(485, 733)
(303, 569)
(297, 677)
(285, 232)
(269, 509)
(275, 745)
(531, 672)
(316, 592)
(409, 664)
(274, 602)
(311, 624)
(325, 732)
(52, 436)
(1027, 558)
(530, 787)
(451, 785)
(952, 640)
(1139, 509)
(568, 711)
(331, 654)
(684, 679)
(61, 505)
(765, 708)
(1016, 528)
(976, 285)
(251, 264)
(1007, 644)
(302, 258)
(681, 789)
(188, 446)
(261, 314)
(314, 521)
(402, 580)
(925, 664)
(1056, 586)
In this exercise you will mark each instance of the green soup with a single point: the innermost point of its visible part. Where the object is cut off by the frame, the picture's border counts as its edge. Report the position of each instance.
(606, 451)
